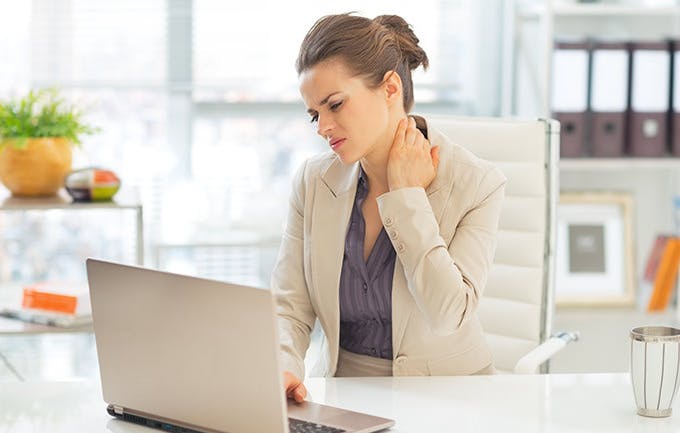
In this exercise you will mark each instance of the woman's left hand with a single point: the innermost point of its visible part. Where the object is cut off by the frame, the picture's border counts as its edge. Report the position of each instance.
(412, 162)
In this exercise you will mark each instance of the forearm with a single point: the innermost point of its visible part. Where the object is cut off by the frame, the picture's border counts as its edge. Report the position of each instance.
(435, 282)
(445, 277)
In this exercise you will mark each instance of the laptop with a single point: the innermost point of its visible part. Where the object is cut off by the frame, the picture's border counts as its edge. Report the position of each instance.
(187, 354)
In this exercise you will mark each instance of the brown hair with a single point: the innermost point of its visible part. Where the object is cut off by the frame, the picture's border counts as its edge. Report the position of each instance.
(368, 47)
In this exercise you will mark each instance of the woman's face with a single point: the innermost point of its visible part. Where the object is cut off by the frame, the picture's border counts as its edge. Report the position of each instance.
(353, 118)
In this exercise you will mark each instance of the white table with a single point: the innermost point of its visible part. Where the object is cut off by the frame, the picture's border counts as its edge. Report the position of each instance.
(540, 403)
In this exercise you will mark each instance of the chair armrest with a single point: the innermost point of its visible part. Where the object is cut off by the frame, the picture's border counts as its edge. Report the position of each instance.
(530, 362)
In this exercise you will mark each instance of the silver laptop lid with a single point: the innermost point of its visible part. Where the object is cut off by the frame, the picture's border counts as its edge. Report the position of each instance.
(165, 344)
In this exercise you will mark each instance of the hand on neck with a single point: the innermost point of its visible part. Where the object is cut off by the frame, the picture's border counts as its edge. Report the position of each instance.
(375, 162)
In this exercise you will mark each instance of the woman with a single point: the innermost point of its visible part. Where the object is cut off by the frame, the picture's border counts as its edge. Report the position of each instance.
(391, 234)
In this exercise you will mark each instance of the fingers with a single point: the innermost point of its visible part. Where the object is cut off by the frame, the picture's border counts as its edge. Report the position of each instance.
(295, 389)
(411, 135)
(400, 135)
(434, 153)
(297, 393)
(300, 393)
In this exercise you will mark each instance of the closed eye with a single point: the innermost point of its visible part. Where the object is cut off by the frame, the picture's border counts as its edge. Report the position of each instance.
(334, 107)
(314, 118)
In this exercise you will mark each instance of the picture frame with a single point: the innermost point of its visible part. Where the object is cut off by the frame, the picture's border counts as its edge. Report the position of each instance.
(594, 250)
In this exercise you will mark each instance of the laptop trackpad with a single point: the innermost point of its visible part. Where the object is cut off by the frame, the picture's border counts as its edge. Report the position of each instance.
(309, 411)
(332, 416)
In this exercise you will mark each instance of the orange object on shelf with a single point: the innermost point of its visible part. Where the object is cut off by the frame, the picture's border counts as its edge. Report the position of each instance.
(51, 297)
(665, 277)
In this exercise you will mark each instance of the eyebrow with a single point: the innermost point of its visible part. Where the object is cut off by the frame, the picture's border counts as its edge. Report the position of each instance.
(312, 111)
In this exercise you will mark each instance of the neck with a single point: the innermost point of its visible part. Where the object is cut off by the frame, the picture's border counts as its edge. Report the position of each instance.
(375, 166)
(375, 162)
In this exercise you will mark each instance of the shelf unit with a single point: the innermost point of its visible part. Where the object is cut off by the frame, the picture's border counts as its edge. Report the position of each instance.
(11, 291)
(64, 202)
(533, 27)
(618, 164)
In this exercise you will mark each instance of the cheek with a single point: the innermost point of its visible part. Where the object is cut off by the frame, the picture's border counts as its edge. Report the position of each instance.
(376, 122)
(371, 117)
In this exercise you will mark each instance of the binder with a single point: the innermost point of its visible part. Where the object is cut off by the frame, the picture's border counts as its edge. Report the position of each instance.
(649, 99)
(674, 129)
(608, 98)
(570, 72)
(664, 280)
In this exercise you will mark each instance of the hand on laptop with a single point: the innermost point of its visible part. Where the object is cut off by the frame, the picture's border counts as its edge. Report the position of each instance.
(295, 389)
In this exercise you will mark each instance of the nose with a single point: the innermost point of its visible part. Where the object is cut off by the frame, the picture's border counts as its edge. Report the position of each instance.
(324, 126)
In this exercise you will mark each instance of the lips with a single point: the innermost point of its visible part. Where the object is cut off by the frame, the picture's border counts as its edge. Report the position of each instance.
(336, 142)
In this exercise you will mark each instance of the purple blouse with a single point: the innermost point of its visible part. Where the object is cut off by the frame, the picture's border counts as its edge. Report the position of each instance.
(366, 287)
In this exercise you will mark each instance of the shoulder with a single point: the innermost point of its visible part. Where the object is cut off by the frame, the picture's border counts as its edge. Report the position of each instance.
(459, 167)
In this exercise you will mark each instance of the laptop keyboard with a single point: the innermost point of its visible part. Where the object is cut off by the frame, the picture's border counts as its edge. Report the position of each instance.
(298, 426)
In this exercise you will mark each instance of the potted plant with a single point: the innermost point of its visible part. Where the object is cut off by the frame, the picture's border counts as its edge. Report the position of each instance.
(36, 136)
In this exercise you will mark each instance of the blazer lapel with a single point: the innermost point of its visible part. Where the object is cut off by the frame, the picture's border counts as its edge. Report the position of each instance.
(333, 201)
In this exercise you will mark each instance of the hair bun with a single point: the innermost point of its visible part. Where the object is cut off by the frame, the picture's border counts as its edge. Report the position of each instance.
(394, 23)
(406, 39)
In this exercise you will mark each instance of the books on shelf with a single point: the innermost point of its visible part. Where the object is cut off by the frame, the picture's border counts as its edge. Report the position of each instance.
(63, 304)
(654, 257)
(662, 269)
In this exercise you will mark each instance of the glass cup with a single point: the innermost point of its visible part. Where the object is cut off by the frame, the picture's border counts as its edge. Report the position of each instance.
(654, 368)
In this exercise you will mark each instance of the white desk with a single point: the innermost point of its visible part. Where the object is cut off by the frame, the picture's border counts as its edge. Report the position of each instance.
(541, 403)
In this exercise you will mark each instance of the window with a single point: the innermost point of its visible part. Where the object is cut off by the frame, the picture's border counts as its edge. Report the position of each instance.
(197, 101)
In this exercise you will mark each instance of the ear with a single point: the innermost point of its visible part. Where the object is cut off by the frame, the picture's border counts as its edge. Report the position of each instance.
(393, 87)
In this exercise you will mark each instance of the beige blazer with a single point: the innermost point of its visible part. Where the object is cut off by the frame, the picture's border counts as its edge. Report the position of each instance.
(444, 236)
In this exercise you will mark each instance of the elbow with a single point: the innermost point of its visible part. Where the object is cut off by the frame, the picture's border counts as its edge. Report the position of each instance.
(452, 317)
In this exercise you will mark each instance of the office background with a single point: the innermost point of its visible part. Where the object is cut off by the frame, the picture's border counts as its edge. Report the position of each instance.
(199, 113)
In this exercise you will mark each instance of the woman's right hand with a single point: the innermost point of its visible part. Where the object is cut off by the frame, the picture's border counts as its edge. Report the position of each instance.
(412, 161)
(295, 389)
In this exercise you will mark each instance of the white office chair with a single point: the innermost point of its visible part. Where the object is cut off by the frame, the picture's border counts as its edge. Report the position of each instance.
(517, 306)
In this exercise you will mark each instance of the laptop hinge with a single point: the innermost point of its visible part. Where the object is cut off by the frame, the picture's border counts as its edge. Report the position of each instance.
(118, 409)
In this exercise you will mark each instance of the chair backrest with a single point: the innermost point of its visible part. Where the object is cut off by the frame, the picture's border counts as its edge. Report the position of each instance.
(517, 304)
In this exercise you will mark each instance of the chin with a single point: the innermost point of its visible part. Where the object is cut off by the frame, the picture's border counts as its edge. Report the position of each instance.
(347, 159)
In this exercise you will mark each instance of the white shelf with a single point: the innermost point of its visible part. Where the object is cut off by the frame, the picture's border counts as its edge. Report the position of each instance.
(619, 164)
(125, 199)
(584, 10)
(600, 10)
(14, 326)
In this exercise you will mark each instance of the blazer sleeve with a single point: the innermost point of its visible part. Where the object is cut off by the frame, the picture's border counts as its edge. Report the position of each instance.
(446, 282)
(295, 314)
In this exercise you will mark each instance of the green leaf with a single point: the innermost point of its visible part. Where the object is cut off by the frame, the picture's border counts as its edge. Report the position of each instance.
(41, 113)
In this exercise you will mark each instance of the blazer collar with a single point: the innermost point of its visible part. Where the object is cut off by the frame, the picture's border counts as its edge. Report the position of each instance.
(340, 178)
